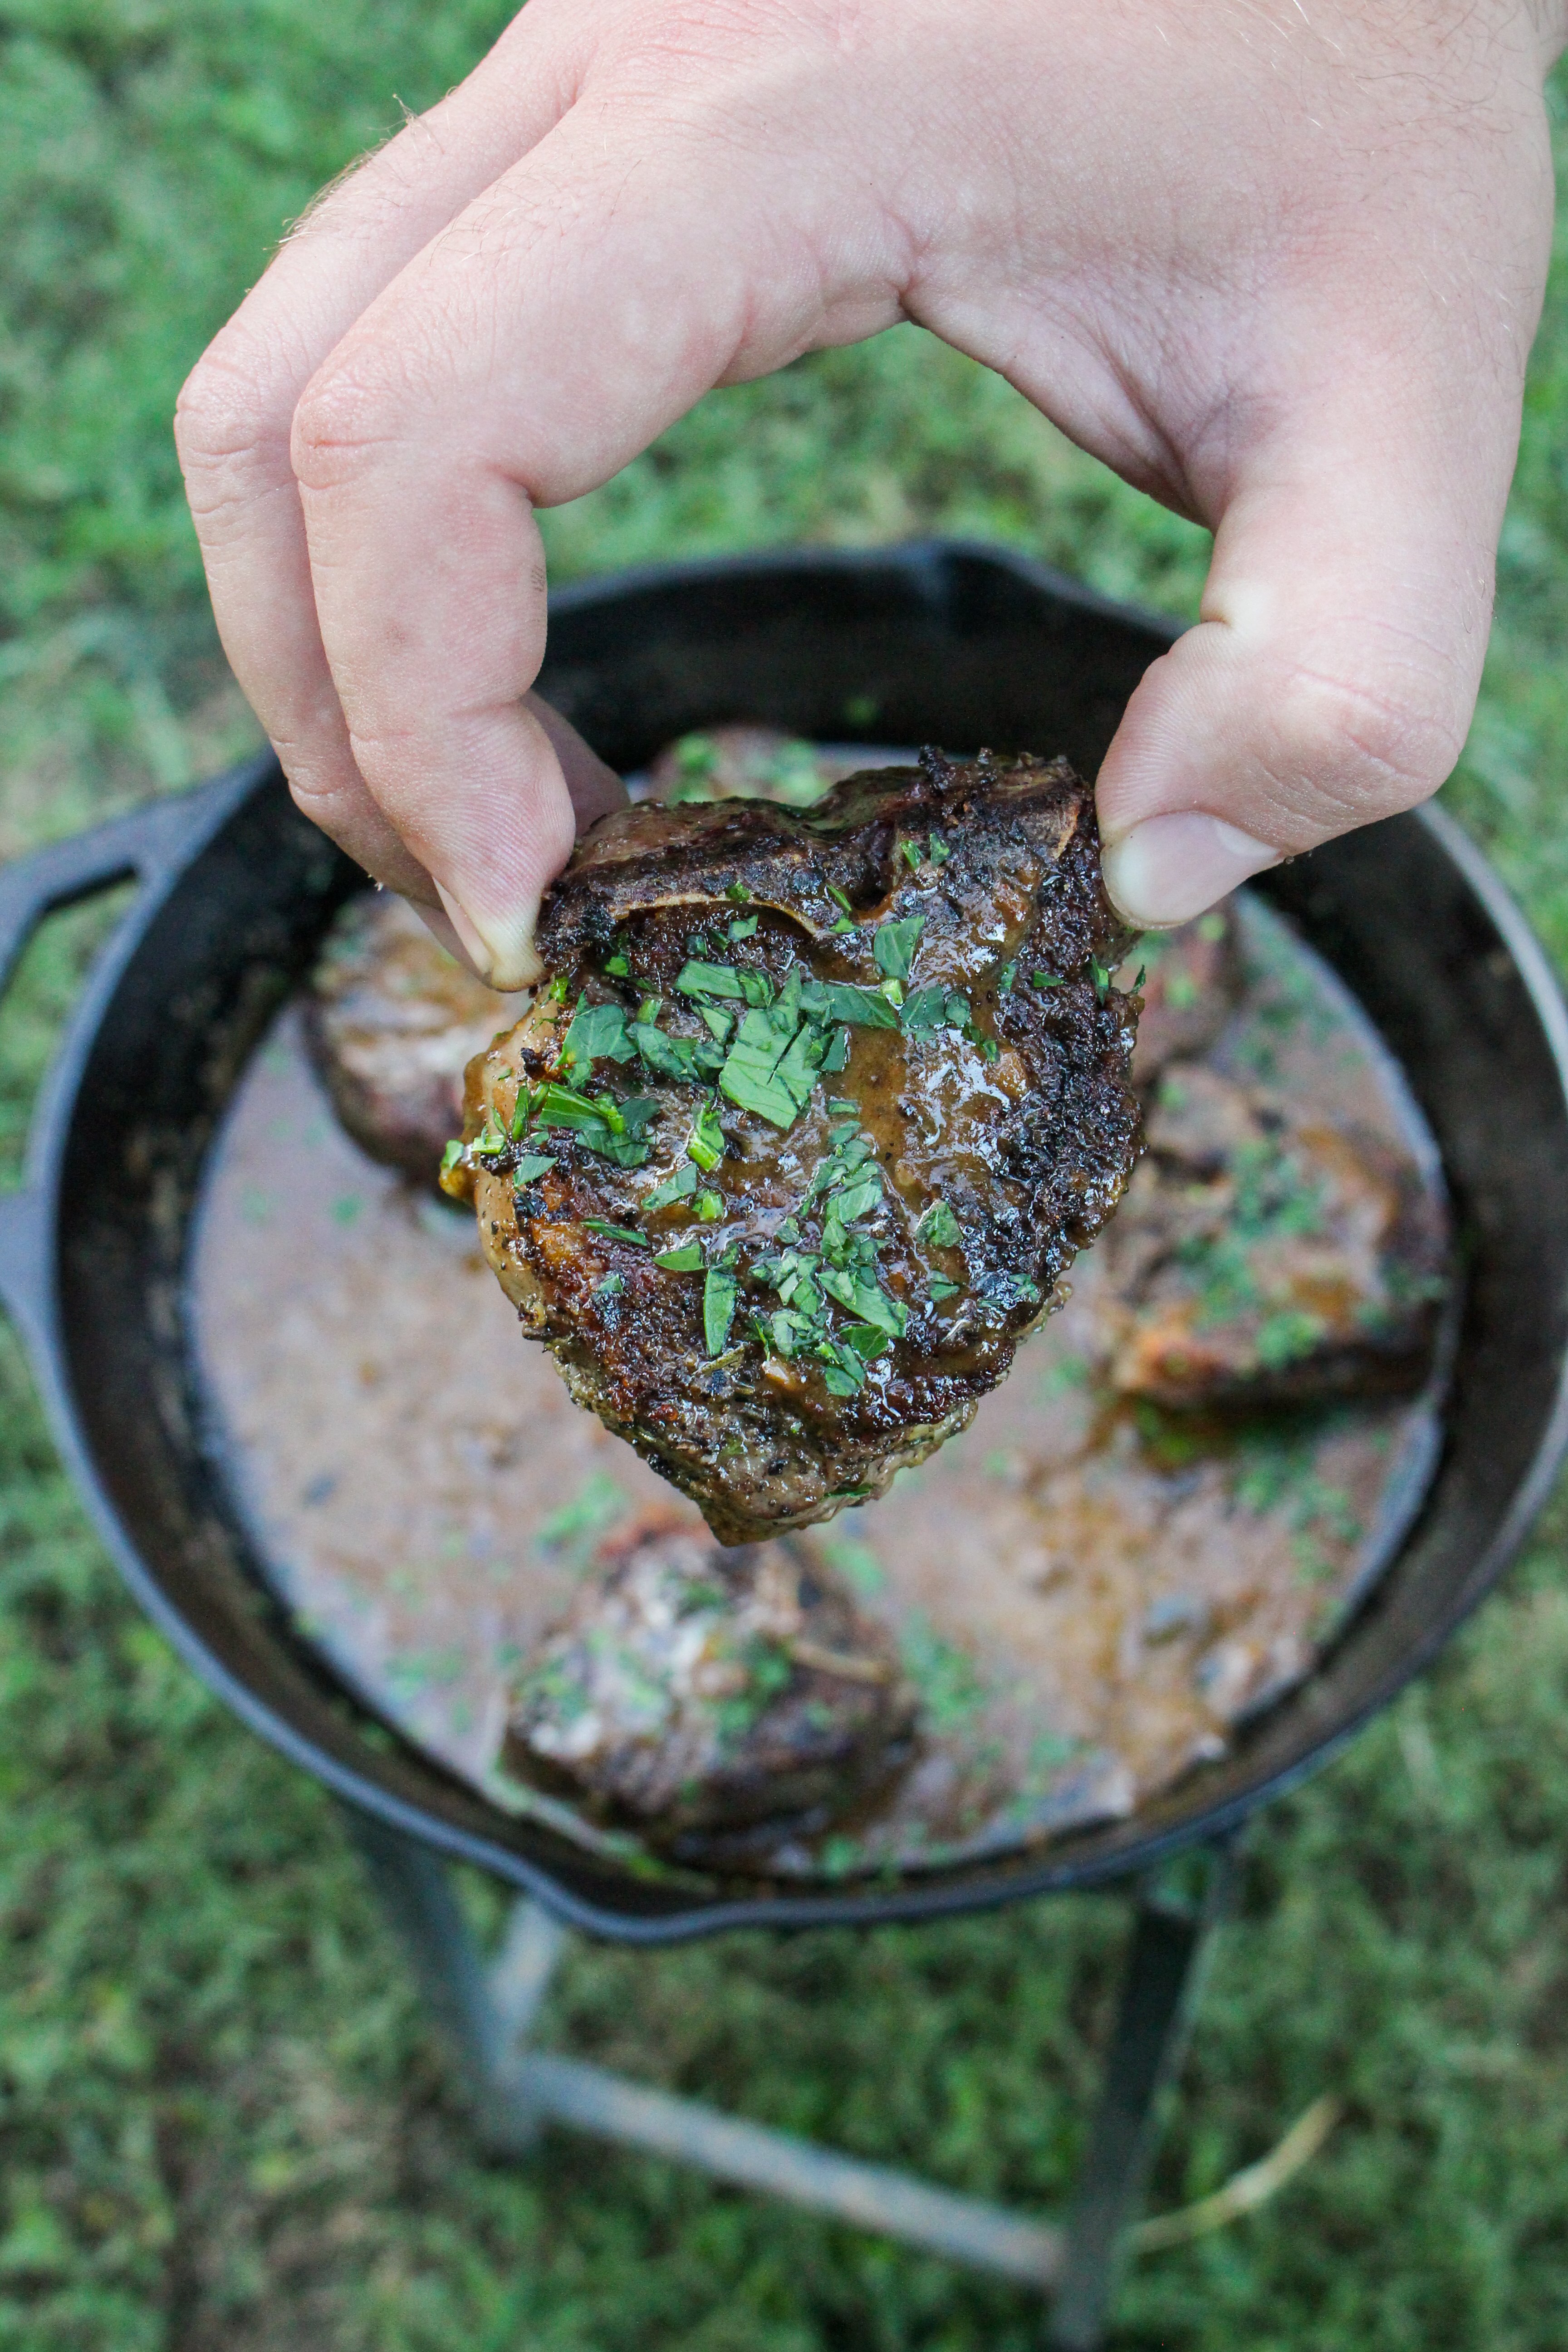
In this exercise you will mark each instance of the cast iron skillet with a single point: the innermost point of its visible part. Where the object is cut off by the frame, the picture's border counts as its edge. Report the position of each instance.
(943, 644)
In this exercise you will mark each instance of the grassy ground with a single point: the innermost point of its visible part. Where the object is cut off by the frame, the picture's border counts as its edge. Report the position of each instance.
(221, 2120)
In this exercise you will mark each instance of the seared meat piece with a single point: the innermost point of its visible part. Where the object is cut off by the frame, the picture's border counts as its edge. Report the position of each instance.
(698, 1692)
(796, 1147)
(745, 764)
(392, 1022)
(1260, 1256)
(1192, 980)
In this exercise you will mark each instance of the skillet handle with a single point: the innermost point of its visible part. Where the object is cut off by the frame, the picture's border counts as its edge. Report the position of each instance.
(148, 846)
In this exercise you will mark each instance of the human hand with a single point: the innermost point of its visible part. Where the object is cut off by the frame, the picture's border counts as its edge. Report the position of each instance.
(1280, 267)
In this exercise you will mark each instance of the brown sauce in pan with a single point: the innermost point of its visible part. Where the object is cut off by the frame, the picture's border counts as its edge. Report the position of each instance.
(1088, 1595)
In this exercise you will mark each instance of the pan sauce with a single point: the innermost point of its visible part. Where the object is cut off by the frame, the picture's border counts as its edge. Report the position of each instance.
(1088, 1597)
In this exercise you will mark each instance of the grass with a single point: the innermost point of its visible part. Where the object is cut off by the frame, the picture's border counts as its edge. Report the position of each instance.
(221, 2118)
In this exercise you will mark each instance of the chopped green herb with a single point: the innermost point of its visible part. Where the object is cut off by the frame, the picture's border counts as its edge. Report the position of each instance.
(686, 1259)
(452, 1152)
(858, 1199)
(846, 1375)
(939, 1228)
(840, 999)
(868, 1342)
(556, 993)
(531, 1167)
(873, 1306)
(1102, 978)
(1047, 980)
(1005, 979)
(912, 856)
(556, 1106)
(894, 946)
(739, 894)
(617, 967)
(668, 1057)
(939, 1289)
(678, 1187)
(598, 1033)
(841, 1107)
(940, 852)
(610, 1286)
(491, 1138)
(838, 1053)
(742, 927)
(698, 978)
(839, 899)
(783, 1329)
(718, 1307)
(707, 1207)
(756, 987)
(837, 930)
(614, 1233)
(925, 1010)
(1142, 976)
(839, 1285)
(706, 1141)
(797, 1073)
(750, 1076)
(612, 1129)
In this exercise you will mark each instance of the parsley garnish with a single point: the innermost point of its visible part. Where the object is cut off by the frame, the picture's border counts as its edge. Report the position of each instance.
(678, 1187)
(718, 1307)
(698, 978)
(614, 1233)
(705, 1143)
(598, 1033)
(894, 945)
(939, 1228)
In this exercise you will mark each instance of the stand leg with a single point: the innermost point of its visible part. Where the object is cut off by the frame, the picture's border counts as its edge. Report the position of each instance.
(1158, 1996)
(486, 2012)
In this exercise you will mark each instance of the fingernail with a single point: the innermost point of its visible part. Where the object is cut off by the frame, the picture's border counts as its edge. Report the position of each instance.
(1170, 868)
(503, 955)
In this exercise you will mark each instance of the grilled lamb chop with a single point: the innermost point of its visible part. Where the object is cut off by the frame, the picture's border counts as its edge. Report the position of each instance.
(744, 763)
(1261, 1256)
(816, 1110)
(392, 1022)
(702, 1694)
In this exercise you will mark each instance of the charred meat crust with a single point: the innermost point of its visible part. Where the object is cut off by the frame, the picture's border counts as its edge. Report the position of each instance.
(994, 1127)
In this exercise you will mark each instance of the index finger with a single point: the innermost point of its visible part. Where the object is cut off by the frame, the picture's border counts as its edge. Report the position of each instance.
(569, 315)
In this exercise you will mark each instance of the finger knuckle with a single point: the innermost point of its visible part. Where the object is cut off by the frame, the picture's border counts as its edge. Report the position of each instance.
(1369, 749)
(351, 409)
(227, 418)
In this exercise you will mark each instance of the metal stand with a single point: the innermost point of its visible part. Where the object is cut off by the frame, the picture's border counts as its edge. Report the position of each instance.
(487, 2013)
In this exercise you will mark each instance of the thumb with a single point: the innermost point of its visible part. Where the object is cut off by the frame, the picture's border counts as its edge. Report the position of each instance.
(1333, 675)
